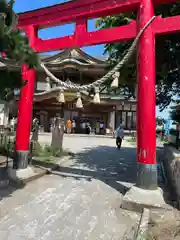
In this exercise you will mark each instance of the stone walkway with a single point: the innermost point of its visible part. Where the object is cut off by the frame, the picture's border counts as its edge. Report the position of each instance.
(77, 207)
(53, 208)
(99, 158)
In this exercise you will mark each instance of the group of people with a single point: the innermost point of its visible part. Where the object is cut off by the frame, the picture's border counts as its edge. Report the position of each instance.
(71, 127)
(84, 126)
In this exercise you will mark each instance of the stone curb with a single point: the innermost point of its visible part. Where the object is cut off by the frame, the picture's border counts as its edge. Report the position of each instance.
(143, 225)
(21, 182)
(55, 165)
(43, 172)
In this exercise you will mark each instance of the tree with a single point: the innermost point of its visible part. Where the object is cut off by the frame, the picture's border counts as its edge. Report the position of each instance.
(175, 116)
(160, 121)
(167, 57)
(15, 46)
(175, 113)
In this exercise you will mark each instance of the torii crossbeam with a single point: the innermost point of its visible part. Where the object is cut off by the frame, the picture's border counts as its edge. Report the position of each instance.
(79, 11)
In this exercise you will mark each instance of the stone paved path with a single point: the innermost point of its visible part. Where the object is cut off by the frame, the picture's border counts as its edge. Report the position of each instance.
(55, 208)
(99, 157)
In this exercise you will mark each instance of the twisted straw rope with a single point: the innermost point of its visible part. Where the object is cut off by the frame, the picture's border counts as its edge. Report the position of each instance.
(72, 86)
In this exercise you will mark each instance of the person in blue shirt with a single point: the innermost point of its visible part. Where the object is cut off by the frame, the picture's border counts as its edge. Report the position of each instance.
(119, 136)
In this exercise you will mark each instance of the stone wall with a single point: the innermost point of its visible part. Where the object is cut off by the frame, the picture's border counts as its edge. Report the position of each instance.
(171, 162)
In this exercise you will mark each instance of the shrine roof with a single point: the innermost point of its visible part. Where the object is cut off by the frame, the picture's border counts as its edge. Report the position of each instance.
(74, 54)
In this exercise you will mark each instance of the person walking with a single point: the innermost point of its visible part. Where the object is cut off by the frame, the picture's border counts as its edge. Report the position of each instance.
(119, 136)
(88, 128)
(101, 128)
(68, 126)
(73, 126)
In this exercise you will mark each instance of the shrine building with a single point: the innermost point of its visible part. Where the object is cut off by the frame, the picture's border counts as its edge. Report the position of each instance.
(74, 65)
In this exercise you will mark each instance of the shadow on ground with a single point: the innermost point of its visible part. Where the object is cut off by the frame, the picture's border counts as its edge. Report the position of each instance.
(7, 187)
(7, 191)
(116, 168)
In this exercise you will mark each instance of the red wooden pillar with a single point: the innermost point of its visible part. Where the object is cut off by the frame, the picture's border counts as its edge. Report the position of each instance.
(146, 105)
(25, 110)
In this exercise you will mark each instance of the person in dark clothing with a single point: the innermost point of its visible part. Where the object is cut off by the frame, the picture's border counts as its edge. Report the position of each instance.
(88, 128)
(119, 136)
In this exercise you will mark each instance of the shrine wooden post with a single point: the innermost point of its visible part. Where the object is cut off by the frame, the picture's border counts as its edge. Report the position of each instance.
(79, 11)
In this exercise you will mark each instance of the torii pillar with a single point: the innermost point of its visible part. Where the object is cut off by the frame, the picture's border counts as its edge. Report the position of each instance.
(146, 112)
(24, 122)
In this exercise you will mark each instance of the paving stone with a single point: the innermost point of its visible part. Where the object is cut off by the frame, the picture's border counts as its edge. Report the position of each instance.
(56, 208)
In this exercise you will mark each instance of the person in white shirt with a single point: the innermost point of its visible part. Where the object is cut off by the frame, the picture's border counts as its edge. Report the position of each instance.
(119, 136)
(73, 126)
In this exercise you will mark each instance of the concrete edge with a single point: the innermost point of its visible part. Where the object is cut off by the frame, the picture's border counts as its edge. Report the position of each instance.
(143, 225)
(21, 182)
(137, 199)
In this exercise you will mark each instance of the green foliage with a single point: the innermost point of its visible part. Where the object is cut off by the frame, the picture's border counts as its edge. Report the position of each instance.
(15, 46)
(160, 121)
(175, 116)
(48, 151)
(9, 81)
(167, 56)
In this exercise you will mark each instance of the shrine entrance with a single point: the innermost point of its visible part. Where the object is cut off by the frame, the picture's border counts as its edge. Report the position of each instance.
(79, 11)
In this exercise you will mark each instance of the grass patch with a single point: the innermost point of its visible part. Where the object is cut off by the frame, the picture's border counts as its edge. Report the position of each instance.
(44, 153)
(132, 140)
(47, 154)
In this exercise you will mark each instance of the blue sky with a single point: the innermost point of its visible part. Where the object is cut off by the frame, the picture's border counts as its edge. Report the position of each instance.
(26, 5)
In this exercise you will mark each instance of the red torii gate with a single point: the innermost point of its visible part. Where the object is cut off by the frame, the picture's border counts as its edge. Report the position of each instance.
(79, 11)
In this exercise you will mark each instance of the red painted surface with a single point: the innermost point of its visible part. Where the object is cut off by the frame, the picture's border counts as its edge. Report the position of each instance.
(167, 25)
(26, 102)
(83, 38)
(146, 121)
(74, 10)
(78, 9)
